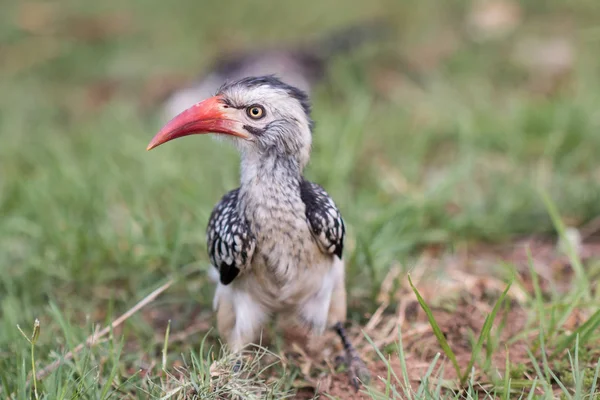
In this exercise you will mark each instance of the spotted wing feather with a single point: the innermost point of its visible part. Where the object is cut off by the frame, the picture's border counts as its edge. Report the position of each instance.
(324, 218)
(229, 240)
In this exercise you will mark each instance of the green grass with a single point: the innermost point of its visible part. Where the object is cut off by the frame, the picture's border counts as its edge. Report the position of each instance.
(91, 223)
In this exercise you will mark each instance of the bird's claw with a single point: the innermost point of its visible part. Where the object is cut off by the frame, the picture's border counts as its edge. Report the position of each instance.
(358, 372)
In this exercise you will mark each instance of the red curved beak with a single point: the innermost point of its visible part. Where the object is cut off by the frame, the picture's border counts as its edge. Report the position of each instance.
(208, 116)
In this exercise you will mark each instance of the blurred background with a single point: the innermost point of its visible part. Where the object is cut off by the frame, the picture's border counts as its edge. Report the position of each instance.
(437, 124)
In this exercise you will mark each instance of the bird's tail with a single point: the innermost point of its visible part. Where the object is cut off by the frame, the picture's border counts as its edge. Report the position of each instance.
(349, 38)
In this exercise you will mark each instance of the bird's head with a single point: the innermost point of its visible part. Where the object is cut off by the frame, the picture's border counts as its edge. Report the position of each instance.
(261, 114)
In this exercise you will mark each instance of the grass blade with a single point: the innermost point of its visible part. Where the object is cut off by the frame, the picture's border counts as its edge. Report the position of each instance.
(576, 371)
(540, 374)
(423, 387)
(537, 290)
(595, 380)
(401, 356)
(436, 329)
(532, 390)
(572, 304)
(381, 356)
(485, 331)
(571, 253)
(110, 379)
(506, 393)
(165, 347)
(583, 331)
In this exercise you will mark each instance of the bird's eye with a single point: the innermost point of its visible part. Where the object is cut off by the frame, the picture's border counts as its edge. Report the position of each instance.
(255, 111)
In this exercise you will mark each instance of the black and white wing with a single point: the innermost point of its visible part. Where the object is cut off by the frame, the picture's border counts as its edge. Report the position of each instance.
(230, 243)
(324, 218)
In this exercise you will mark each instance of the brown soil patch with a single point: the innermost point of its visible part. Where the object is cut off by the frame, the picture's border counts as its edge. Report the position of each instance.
(460, 298)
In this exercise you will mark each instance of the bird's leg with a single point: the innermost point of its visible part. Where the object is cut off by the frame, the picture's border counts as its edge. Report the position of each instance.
(357, 370)
(239, 319)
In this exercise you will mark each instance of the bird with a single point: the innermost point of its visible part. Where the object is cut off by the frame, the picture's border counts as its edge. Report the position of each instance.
(277, 240)
(301, 65)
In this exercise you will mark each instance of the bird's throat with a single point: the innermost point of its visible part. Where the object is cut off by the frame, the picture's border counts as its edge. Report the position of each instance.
(268, 170)
(268, 181)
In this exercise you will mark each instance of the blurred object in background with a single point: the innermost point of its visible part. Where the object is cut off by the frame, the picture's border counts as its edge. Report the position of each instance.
(302, 65)
(549, 62)
(493, 19)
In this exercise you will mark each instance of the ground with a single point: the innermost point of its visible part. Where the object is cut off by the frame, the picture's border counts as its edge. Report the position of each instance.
(461, 149)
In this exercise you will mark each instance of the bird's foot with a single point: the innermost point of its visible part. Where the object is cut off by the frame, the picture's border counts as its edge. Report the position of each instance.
(237, 367)
(357, 370)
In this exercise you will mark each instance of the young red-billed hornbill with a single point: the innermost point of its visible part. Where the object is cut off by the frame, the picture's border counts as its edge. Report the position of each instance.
(277, 240)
